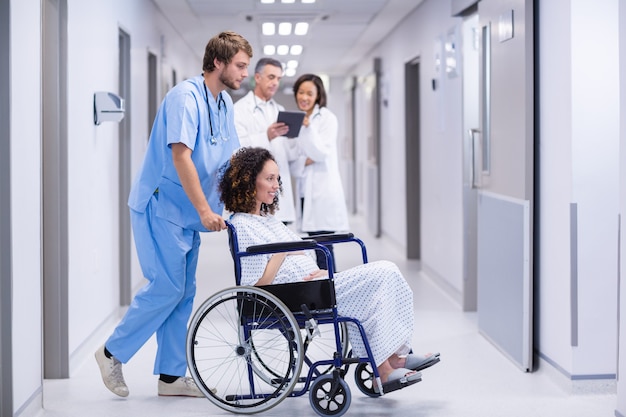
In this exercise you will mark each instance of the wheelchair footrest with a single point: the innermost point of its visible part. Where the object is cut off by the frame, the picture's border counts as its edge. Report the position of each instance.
(398, 384)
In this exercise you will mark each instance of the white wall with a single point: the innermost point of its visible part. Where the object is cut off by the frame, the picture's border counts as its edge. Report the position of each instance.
(93, 161)
(579, 151)
(26, 201)
(621, 382)
(92, 166)
(441, 140)
(595, 158)
(555, 150)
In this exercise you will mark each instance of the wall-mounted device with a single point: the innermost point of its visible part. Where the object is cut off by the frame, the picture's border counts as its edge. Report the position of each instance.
(107, 107)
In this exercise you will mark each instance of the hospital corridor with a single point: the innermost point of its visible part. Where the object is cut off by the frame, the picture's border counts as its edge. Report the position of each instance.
(479, 145)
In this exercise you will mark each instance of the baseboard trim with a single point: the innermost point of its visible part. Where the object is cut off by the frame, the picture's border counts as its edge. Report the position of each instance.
(577, 383)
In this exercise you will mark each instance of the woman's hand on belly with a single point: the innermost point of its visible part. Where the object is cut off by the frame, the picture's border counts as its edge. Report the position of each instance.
(320, 273)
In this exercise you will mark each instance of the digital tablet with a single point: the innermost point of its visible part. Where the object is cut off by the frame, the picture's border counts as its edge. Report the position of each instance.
(293, 119)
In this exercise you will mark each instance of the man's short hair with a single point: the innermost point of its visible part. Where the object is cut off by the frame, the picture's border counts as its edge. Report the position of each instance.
(224, 47)
(266, 61)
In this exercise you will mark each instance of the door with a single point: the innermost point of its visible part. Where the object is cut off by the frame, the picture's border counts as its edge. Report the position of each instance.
(505, 196)
(124, 158)
(471, 154)
(413, 167)
(54, 181)
(153, 103)
(6, 269)
(373, 151)
(349, 173)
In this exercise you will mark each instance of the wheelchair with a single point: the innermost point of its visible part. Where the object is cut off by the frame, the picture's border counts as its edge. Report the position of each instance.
(249, 347)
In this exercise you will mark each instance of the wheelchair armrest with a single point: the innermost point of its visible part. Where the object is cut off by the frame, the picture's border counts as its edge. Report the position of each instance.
(333, 238)
(283, 246)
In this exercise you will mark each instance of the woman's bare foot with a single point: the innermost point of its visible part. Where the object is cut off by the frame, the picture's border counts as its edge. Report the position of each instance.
(386, 368)
(400, 362)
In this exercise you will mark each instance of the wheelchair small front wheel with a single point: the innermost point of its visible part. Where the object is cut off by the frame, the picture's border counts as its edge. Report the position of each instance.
(364, 379)
(330, 396)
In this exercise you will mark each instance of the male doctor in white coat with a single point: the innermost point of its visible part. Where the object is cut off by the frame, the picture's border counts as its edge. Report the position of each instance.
(255, 121)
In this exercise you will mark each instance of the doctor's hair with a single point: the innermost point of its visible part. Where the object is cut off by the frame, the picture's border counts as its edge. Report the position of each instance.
(237, 185)
(224, 47)
(320, 100)
(266, 61)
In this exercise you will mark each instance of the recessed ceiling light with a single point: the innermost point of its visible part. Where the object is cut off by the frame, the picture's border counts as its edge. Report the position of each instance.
(269, 49)
(267, 1)
(282, 50)
(296, 49)
(269, 28)
(301, 28)
(292, 63)
(290, 72)
(284, 28)
(288, 1)
(308, 1)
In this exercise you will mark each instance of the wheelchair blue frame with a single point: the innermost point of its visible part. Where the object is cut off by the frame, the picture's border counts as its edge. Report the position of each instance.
(329, 317)
(313, 305)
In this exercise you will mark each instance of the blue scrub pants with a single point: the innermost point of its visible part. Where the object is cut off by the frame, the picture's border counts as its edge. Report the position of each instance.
(168, 255)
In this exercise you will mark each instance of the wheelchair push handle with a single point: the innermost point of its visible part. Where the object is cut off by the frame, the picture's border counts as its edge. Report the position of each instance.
(333, 238)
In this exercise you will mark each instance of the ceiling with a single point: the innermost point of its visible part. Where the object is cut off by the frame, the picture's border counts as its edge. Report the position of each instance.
(340, 31)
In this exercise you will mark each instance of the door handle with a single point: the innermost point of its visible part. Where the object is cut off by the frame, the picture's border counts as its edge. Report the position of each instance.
(475, 155)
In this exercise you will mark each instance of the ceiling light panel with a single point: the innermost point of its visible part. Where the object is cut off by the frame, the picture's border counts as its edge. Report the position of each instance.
(284, 28)
(296, 49)
(269, 28)
(301, 28)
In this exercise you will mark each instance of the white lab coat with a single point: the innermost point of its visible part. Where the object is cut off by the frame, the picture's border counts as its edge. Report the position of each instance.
(252, 118)
(319, 183)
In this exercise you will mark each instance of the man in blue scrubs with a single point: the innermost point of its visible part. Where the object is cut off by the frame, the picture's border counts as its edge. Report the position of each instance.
(173, 198)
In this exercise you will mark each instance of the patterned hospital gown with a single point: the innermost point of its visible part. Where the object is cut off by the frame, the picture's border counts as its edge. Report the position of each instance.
(375, 293)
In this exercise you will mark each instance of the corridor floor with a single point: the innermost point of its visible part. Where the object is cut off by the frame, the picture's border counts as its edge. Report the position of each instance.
(473, 378)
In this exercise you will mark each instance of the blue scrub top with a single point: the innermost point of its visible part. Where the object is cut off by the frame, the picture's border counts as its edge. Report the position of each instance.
(189, 114)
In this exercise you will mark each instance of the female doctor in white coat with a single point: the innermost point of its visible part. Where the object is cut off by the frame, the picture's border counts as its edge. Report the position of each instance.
(255, 121)
(320, 201)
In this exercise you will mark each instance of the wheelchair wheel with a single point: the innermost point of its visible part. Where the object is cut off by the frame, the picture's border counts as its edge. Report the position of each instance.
(243, 350)
(330, 396)
(364, 379)
(324, 346)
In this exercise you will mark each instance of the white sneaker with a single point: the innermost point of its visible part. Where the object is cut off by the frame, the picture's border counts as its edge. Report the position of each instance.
(184, 386)
(111, 370)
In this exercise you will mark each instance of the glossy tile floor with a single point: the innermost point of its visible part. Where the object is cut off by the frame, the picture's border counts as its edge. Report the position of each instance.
(473, 378)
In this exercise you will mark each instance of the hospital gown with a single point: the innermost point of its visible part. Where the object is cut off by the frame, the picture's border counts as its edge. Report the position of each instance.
(375, 293)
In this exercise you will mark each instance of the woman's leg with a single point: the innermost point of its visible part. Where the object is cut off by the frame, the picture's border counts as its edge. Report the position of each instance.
(377, 296)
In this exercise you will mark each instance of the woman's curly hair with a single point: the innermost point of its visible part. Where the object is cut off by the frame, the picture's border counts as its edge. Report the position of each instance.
(237, 184)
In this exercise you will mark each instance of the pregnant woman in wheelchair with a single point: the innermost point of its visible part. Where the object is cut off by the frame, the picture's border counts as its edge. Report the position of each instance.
(375, 293)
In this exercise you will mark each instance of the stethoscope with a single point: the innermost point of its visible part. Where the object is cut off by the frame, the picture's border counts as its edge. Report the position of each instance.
(256, 105)
(318, 113)
(265, 121)
(220, 101)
